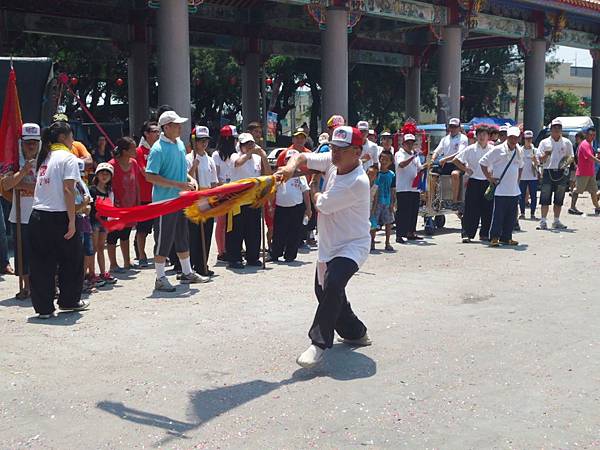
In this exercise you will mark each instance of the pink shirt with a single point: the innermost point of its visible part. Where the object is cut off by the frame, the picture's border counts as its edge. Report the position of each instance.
(585, 163)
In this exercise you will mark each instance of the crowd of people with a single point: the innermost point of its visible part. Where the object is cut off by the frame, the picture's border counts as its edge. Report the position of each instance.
(494, 175)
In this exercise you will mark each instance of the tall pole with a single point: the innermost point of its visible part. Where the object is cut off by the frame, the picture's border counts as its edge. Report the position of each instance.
(334, 64)
(535, 74)
(450, 68)
(174, 55)
(595, 83)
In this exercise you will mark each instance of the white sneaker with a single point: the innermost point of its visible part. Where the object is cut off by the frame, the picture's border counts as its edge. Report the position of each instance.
(162, 284)
(558, 225)
(543, 225)
(193, 278)
(311, 357)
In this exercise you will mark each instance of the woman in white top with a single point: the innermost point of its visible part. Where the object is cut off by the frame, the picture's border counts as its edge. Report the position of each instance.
(22, 183)
(529, 177)
(249, 163)
(224, 165)
(55, 245)
(407, 165)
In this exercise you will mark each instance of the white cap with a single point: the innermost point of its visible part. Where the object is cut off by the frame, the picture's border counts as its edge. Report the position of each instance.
(371, 132)
(513, 131)
(246, 137)
(503, 128)
(346, 136)
(170, 117)
(409, 137)
(556, 122)
(385, 134)
(30, 132)
(201, 132)
(454, 122)
(105, 166)
(323, 137)
(528, 134)
(363, 125)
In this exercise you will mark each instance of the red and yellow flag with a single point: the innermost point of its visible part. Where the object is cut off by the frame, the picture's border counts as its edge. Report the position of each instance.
(10, 127)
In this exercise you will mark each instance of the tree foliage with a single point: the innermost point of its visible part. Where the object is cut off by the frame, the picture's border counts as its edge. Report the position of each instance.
(561, 103)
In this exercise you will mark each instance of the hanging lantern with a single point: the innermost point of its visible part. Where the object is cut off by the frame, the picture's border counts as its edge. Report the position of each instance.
(74, 81)
(513, 99)
(119, 82)
(269, 81)
(583, 104)
(462, 98)
(198, 82)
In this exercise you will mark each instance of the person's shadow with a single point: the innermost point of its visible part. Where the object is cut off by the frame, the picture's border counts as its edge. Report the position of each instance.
(340, 363)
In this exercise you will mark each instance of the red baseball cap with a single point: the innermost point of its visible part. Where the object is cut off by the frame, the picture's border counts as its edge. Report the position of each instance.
(346, 136)
(228, 130)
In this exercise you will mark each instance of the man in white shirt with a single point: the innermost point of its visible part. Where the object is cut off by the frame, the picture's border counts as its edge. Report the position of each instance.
(202, 168)
(370, 151)
(529, 177)
(555, 153)
(344, 239)
(502, 167)
(450, 146)
(477, 207)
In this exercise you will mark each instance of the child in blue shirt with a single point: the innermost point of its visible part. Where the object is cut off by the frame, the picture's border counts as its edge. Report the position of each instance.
(386, 196)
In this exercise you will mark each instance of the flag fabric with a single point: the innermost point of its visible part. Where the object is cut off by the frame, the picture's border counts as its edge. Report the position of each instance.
(199, 206)
(11, 123)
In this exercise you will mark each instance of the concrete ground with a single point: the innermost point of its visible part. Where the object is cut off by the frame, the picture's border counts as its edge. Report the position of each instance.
(474, 348)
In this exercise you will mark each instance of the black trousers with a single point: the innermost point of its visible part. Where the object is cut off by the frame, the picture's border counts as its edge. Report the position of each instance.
(51, 253)
(504, 217)
(334, 311)
(288, 231)
(407, 211)
(477, 209)
(196, 244)
(246, 229)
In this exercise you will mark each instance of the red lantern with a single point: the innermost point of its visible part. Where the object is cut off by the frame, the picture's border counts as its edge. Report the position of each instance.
(233, 81)
(582, 104)
(513, 99)
(63, 78)
(198, 81)
(119, 82)
(74, 81)
(462, 98)
(269, 81)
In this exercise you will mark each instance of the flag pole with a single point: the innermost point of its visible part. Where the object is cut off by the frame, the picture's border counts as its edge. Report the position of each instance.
(19, 239)
(262, 232)
(202, 235)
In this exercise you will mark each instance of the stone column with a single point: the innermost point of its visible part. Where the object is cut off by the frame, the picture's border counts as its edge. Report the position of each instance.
(449, 71)
(413, 92)
(174, 59)
(250, 88)
(535, 74)
(137, 78)
(334, 64)
(596, 83)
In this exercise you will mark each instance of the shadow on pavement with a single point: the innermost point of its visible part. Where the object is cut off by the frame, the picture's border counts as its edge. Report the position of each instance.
(340, 363)
(64, 319)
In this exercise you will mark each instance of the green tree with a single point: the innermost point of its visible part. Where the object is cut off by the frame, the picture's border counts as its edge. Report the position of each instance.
(561, 103)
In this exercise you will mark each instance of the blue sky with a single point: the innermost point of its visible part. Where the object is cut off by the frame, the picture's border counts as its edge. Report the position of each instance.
(572, 55)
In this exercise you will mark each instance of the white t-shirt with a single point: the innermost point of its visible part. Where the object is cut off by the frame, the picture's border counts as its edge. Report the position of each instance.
(451, 145)
(291, 193)
(405, 176)
(225, 168)
(49, 195)
(344, 209)
(471, 156)
(559, 149)
(26, 201)
(250, 169)
(372, 149)
(496, 160)
(206, 173)
(528, 173)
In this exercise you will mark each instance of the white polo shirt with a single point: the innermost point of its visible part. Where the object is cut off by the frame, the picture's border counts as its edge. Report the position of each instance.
(496, 160)
(405, 176)
(344, 208)
(206, 173)
(528, 173)
(49, 194)
(450, 145)
(559, 149)
(372, 149)
(471, 156)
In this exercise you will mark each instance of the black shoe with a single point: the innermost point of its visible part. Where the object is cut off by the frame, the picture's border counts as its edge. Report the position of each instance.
(414, 237)
(256, 263)
(236, 265)
(272, 259)
(399, 240)
(575, 211)
(80, 306)
(288, 260)
(207, 273)
(222, 258)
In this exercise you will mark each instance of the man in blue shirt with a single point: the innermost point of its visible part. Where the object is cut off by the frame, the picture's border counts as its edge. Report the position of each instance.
(167, 171)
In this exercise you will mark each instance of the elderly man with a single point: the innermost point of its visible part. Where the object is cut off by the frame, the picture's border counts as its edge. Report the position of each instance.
(450, 146)
(555, 153)
(344, 239)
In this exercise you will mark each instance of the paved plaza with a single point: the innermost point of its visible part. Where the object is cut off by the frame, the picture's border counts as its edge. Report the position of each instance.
(474, 348)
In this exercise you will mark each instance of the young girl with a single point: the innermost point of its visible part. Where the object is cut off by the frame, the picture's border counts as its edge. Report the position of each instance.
(224, 164)
(101, 188)
(125, 185)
